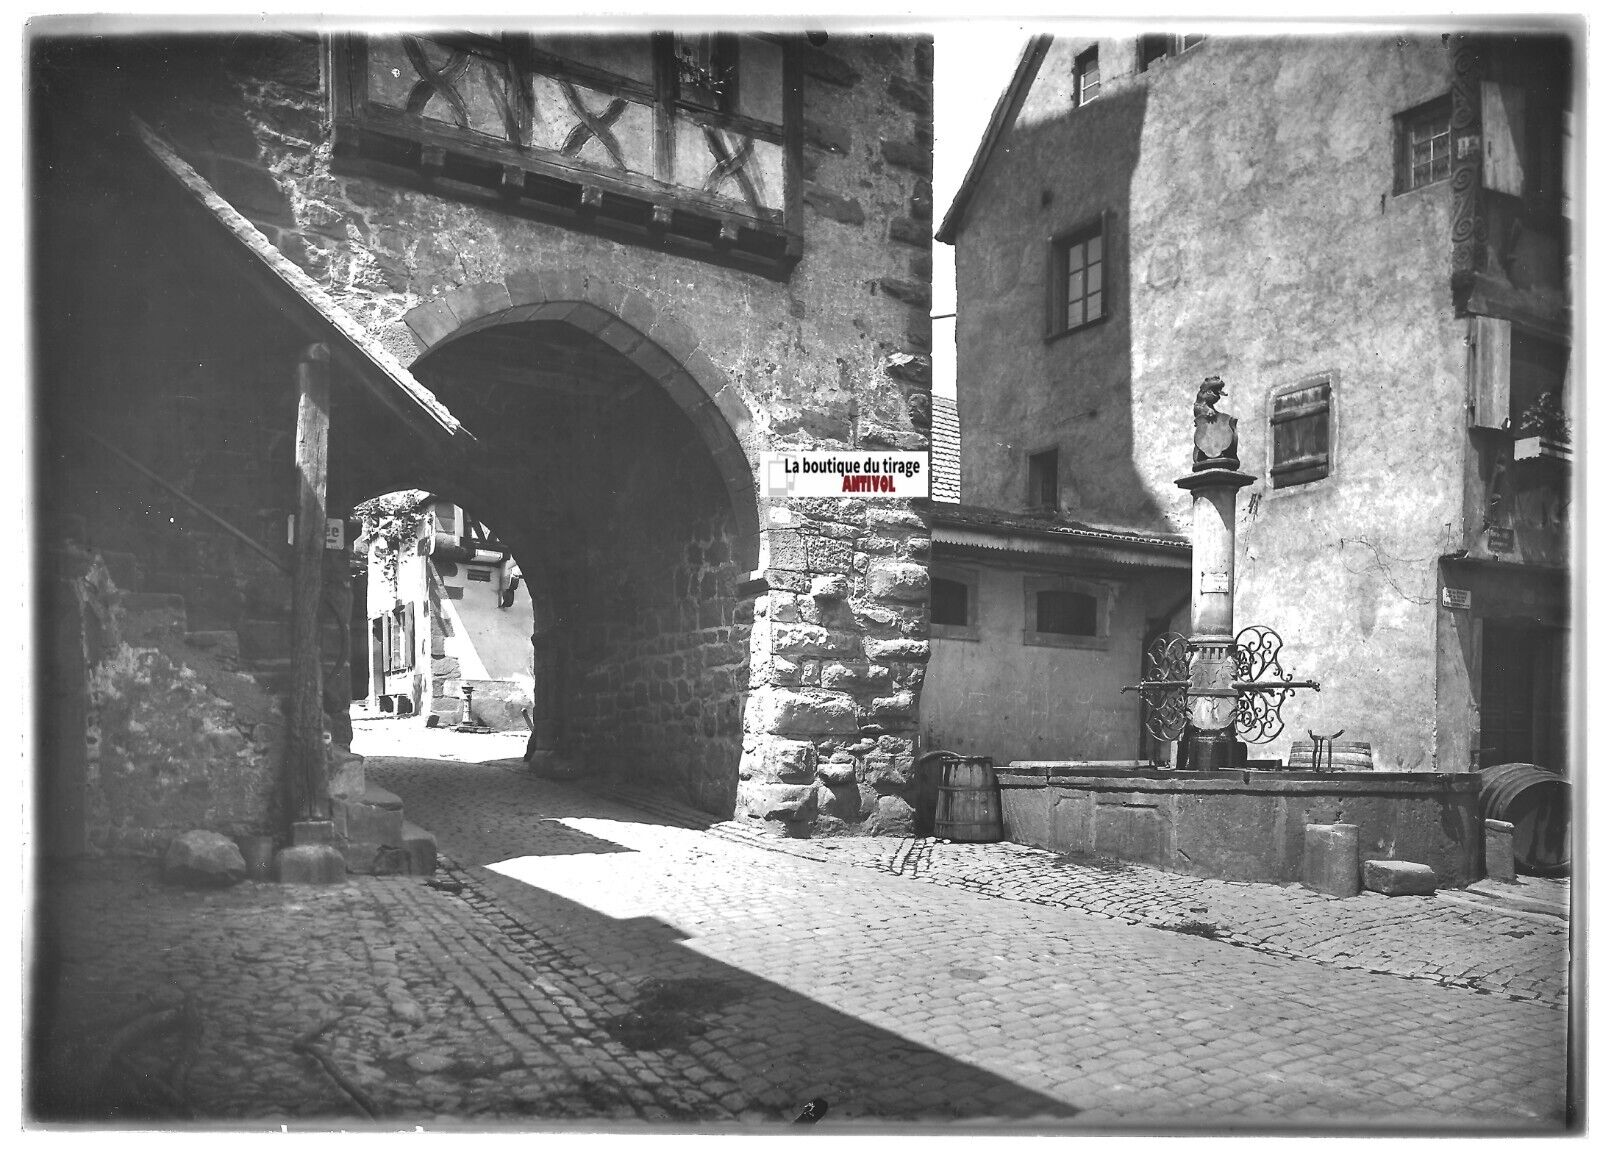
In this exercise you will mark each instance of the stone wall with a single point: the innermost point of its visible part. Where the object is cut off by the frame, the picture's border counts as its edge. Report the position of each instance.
(177, 738)
(1244, 826)
(835, 355)
(841, 646)
(656, 661)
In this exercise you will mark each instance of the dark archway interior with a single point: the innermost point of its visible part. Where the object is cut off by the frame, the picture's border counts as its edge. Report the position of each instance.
(606, 493)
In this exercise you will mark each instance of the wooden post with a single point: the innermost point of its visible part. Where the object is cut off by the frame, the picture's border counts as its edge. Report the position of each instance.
(306, 766)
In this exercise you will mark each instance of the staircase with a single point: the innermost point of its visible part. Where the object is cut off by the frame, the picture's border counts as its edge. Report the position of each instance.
(248, 666)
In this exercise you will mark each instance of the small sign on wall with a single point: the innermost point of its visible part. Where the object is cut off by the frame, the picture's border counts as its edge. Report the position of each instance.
(1214, 581)
(1500, 539)
(1457, 598)
(333, 533)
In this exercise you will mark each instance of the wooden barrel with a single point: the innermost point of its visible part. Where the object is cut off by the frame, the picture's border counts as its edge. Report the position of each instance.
(969, 801)
(1538, 803)
(1339, 756)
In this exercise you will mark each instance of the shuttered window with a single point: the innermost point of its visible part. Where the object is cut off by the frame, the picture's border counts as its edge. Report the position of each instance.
(399, 639)
(1301, 419)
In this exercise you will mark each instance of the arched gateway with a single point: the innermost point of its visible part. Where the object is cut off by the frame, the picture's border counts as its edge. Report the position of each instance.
(766, 668)
(611, 338)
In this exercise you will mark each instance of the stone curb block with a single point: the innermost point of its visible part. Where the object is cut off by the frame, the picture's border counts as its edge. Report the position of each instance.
(1399, 878)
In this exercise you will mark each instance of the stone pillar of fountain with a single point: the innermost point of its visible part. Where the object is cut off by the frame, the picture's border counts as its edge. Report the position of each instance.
(1214, 482)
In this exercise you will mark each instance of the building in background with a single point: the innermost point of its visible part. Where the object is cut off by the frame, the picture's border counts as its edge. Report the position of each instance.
(1368, 238)
(449, 627)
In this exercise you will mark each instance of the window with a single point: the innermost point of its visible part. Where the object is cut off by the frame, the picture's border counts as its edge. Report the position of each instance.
(953, 604)
(1422, 146)
(1077, 281)
(1064, 612)
(1159, 45)
(1086, 77)
(1538, 384)
(1301, 432)
(399, 639)
(1044, 481)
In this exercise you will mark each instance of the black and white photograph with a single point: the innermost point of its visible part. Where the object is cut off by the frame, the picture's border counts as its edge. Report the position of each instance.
(884, 574)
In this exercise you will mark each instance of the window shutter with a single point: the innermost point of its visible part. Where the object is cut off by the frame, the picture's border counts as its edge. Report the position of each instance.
(1300, 434)
(1503, 142)
(1489, 372)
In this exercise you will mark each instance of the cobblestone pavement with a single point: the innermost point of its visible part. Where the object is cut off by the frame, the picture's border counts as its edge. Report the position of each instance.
(1519, 955)
(578, 960)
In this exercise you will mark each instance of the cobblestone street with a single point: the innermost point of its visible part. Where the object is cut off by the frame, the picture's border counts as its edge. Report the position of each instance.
(582, 960)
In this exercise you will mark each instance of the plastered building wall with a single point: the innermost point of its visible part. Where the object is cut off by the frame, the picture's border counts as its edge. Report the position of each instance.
(1252, 233)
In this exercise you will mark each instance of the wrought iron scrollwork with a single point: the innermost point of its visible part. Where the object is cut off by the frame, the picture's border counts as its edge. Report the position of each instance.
(1262, 684)
(1259, 680)
(1165, 688)
(1255, 653)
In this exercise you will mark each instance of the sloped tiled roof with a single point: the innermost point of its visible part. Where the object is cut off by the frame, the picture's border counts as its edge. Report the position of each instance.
(966, 527)
(946, 450)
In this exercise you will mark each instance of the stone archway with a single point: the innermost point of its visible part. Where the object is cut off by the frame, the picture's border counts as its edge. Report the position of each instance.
(616, 450)
(665, 349)
(768, 670)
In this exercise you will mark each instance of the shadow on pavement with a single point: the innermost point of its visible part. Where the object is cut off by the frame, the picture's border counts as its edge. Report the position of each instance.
(776, 1047)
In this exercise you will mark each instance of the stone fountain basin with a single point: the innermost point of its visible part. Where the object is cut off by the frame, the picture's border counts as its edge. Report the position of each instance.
(1241, 824)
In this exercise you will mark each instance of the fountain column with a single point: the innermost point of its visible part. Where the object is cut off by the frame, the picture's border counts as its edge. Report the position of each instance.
(1214, 483)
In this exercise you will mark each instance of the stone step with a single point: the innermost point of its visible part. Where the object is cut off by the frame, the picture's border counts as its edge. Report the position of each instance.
(222, 644)
(148, 617)
(382, 798)
(126, 571)
(276, 676)
(266, 639)
(422, 849)
(368, 828)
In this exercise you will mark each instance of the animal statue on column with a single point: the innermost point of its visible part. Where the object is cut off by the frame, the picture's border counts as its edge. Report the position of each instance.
(1216, 434)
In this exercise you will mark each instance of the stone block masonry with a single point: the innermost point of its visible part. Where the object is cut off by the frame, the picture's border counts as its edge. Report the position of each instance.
(837, 663)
